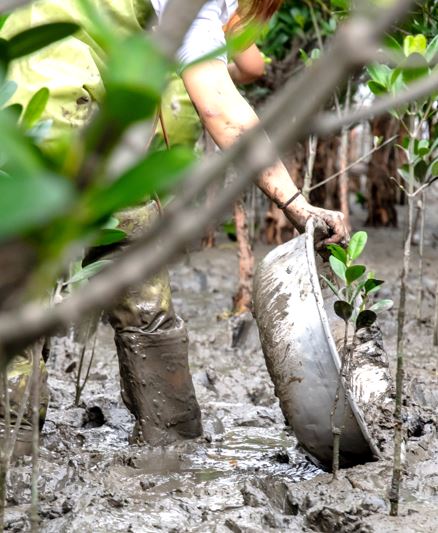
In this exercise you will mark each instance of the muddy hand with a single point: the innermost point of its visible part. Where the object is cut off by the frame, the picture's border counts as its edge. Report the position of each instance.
(337, 233)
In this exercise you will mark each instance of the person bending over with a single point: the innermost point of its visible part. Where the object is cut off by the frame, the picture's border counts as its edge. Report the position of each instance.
(151, 339)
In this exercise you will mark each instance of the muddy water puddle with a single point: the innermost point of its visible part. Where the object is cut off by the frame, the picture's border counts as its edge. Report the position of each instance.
(240, 452)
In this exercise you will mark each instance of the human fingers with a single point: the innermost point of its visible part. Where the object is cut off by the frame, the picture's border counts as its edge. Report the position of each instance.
(339, 232)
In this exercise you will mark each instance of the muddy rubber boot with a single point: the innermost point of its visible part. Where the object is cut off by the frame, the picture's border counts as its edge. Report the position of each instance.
(157, 385)
(152, 347)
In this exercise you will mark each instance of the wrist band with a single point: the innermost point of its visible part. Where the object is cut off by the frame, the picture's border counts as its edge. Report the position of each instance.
(286, 204)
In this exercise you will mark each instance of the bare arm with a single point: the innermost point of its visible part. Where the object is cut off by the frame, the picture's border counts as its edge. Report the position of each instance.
(247, 66)
(226, 115)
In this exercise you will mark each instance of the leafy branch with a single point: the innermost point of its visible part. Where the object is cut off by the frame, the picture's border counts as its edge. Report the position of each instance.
(356, 286)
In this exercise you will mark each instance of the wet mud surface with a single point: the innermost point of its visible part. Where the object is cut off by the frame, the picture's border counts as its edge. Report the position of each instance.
(245, 474)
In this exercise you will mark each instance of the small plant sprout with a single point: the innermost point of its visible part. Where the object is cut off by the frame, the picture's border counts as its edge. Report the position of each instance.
(354, 306)
(356, 285)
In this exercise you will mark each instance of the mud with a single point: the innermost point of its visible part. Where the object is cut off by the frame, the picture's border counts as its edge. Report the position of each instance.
(245, 474)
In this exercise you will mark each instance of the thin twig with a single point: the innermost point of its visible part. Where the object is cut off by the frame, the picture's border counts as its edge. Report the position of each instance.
(351, 165)
(80, 387)
(34, 513)
(417, 191)
(312, 146)
(3, 446)
(420, 294)
(401, 315)
(435, 322)
(337, 431)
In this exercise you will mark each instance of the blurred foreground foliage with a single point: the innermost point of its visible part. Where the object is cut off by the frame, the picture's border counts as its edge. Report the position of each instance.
(62, 200)
(59, 203)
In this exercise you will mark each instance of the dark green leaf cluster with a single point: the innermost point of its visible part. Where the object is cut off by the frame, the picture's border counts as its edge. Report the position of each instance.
(294, 21)
(354, 286)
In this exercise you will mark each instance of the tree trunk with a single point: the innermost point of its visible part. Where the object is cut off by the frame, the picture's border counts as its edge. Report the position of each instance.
(343, 178)
(209, 238)
(242, 300)
(382, 194)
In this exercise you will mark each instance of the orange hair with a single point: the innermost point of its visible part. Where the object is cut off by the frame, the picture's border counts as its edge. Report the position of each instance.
(257, 10)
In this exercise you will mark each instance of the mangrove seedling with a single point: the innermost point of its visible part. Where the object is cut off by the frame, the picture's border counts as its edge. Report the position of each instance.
(355, 291)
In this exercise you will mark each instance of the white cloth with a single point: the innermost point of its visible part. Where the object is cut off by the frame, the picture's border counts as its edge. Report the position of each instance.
(205, 34)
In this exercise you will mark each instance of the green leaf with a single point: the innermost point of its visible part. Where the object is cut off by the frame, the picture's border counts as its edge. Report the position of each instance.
(392, 43)
(354, 272)
(304, 56)
(135, 79)
(331, 285)
(109, 236)
(377, 88)
(356, 292)
(3, 19)
(379, 74)
(414, 68)
(7, 91)
(315, 54)
(432, 50)
(343, 309)
(382, 305)
(4, 57)
(38, 37)
(365, 319)
(88, 271)
(357, 244)
(35, 108)
(338, 252)
(422, 147)
(372, 285)
(420, 170)
(414, 44)
(14, 111)
(433, 169)
(298, 17)
(27, 202)
(157, 173)
(343, 5)
(338, 267)
(404, 172)
(396, 83)
(22, 158)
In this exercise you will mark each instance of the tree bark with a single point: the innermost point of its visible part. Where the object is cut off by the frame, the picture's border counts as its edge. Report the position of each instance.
(343, 178)
(381, 193)
(242, 300)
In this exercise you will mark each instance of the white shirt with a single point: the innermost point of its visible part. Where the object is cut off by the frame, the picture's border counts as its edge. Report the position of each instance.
(205, 34)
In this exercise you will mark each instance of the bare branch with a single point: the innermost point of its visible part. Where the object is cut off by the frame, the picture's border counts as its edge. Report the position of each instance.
(351, 165)
(326, 123)
(10, 5)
